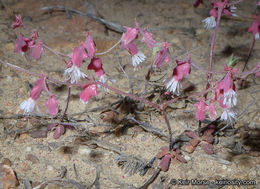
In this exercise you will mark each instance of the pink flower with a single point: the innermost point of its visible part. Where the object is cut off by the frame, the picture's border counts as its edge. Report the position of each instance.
(210, 22)
(226, 91)
(201, 108)
(52, 105)
(254, 28)
(29, 104)
(182, 69)
(148, 39)
(89, 91)
(73, 70)
(22, 44)
(130, 35)
(258, 3)
(37, 50)
(90, 45)
(18, 22)
(196, 3)
(162, 56)
(137, 56)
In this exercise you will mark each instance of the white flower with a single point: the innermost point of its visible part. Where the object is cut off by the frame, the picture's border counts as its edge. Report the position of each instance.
(229, 115)
(209, 22)
(230, 98)
(103, 78)
(28, 105)
(173, 86)
(257, 36)
(233, 10)
(74, 74)
(138, 58)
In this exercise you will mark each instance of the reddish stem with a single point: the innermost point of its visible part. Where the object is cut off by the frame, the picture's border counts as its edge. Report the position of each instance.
(67, 105)
(212, 45)
(169, 128)
(249, 54)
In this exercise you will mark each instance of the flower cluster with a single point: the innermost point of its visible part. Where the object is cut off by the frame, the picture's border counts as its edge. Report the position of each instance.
(86, 50)
(32, 47)
(182, 69)
(254, 27)
(226, 95)
(210, 22)
(40, 86)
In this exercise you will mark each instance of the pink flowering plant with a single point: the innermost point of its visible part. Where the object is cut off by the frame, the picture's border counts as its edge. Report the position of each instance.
(218, 94)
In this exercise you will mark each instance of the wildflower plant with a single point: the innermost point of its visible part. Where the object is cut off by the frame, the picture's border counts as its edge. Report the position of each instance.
(222, 93)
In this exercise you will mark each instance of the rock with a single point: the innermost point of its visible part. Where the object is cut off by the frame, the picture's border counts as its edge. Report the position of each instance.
(7, 177)
(84, 150)
(32, 158)
(6, 161)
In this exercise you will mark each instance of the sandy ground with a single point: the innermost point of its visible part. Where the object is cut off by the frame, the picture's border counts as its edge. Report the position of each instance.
(88, 155)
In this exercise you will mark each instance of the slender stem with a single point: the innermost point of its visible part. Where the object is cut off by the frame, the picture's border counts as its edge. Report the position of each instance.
(185, 97)
(55, 52)
(108, 50)
(212, 45)
(169, 128)
(249, 54)
(67, 105)
(143, 100)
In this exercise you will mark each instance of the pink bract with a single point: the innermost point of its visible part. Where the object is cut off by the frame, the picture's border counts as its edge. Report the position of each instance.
(96, 65)
(22, 44)
(212, 111)
(201, 108)
(254, 27)
(162, 56)
(182, 69)
(79, 54)
(52, 105)
(39, 86)
(129, 36)
(88, 92)
(90, 45)
(18, 22)
(37, 50)
(148, 39)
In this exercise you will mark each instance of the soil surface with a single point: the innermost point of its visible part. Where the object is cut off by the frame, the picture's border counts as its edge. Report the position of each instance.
(89, 155)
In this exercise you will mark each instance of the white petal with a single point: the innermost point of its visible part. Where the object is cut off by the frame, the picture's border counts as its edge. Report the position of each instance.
(209, 22)
(138, 58)
(230, 98)
(229, 115)
(28, 105)
(173, 86)
(74, 74)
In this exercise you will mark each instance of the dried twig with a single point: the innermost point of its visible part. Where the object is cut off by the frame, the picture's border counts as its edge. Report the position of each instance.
(149, 128)
(151, 179)
(110, 25)
(121, 67)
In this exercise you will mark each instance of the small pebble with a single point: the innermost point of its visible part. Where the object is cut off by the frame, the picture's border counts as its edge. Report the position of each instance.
(28, 148)
(83, 150)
